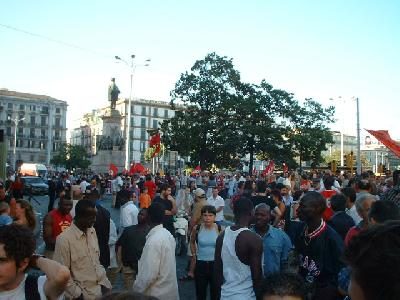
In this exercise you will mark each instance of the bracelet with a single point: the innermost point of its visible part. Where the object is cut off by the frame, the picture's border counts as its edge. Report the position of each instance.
(33, 260)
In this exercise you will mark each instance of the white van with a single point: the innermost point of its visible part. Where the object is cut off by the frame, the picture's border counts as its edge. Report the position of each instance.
(29, 169)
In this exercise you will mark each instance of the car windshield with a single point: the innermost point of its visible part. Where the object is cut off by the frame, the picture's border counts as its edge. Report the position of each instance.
(34, 180)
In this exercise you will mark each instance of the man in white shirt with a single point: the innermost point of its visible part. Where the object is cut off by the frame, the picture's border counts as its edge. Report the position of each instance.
(129, 212)
(83, 185)
(17, 245)
(157, 265)
(116, 185)
(219, 203)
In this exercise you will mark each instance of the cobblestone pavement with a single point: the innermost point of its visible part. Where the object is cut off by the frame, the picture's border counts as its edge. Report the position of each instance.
(186, 289)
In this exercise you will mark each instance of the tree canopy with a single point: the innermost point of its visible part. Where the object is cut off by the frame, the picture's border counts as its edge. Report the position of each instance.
(71, 156)
(220, 119)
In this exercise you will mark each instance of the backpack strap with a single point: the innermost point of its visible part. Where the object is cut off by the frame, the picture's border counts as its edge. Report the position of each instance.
(31, 287)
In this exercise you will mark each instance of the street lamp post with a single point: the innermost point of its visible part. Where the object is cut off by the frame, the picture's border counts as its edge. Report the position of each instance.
(358, 138)
(16, 121)
(132, 66)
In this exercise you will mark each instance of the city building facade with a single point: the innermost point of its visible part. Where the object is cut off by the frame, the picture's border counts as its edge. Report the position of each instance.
(39, 123)
(145, 115)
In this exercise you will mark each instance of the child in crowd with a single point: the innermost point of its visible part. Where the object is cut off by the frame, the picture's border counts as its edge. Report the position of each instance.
(5, 218)
(144, 198)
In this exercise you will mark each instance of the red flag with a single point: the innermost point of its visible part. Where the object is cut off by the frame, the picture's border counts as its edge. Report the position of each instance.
(113, 170)
(384, 137)
(155, 140)
(198, 168)
(269, 169)
(137, 168)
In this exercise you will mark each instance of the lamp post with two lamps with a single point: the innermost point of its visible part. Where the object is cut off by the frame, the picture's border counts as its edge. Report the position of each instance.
(132, 66)
(16, 121)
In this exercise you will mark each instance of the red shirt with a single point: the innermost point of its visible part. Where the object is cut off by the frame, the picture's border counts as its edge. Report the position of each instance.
(60, 222)
(151, 187)
(328, 213)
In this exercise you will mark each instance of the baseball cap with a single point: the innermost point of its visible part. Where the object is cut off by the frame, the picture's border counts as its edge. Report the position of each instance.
(200, 193)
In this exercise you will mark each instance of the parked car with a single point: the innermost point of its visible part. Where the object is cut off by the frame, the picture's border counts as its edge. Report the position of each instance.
(35, 185)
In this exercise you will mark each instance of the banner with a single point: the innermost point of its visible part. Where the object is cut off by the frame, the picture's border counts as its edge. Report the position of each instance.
(384, 137)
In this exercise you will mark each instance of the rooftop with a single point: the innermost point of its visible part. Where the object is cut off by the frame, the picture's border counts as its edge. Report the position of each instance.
(27, 96)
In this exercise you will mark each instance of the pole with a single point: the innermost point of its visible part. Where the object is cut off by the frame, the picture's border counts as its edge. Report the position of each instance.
(15, 144)
(358, 139)
(128, 126)
(341, 149)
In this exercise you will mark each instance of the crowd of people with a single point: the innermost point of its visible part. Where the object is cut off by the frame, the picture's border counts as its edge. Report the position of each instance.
(315, 235)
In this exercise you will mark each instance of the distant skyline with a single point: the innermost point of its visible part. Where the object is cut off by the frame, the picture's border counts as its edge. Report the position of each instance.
(314, 49)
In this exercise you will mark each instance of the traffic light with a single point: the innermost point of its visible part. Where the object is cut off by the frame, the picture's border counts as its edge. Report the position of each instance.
(333, 166)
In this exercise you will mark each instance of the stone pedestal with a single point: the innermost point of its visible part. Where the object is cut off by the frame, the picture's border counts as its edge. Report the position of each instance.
(110, 145)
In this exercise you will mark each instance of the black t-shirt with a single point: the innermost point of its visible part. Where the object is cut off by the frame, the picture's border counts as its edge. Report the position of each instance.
(258, 199)
(320, 258)
(168, 222)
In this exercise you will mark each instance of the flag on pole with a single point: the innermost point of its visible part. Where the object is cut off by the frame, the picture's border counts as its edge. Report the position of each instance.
(384, 137)
(113, 170)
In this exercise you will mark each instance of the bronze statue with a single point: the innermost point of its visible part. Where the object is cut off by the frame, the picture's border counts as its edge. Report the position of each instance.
(113, 92)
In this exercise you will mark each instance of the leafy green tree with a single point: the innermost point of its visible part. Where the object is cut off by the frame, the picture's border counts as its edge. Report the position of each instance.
(201, 130)
(222, 119)
(308, 132)
(71, 156)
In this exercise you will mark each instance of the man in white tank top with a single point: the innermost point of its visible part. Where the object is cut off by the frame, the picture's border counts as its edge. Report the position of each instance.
(238, 257)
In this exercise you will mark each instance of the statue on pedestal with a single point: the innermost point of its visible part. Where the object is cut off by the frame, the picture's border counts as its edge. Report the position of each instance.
(113, 92)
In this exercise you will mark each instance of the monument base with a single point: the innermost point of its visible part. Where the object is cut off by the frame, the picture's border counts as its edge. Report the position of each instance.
(110, 144)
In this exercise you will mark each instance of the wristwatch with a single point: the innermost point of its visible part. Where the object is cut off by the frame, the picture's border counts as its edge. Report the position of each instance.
(33, 260)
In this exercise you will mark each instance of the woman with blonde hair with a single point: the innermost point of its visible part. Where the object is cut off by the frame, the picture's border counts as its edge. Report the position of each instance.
(24, 214)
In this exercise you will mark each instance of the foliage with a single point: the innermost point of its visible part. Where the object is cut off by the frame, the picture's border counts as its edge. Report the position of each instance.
(220, 119)
(71, 156)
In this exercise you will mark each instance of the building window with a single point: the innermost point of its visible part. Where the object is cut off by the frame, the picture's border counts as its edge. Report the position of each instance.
(130, 134)
(142, 157)
(43, 120)
(166, 113)
(32, 158)
(45, 109)
(132, 121)
(58, 122)
(10, 106)
(42, 145)
(132, 110)
(8, 131)
(33, 120)
(143, 134)
(20, 143)
(155, 112)
(144, 110)
(32, 107)
(32, 133)
(57, 134)
(43, 134)
(58, 110)
(21, 107)
(143, 122)
(142, 146)
(20, 131)
(155, 123)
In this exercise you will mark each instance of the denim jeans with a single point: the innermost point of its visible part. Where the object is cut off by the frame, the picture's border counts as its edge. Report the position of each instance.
(204, 277)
